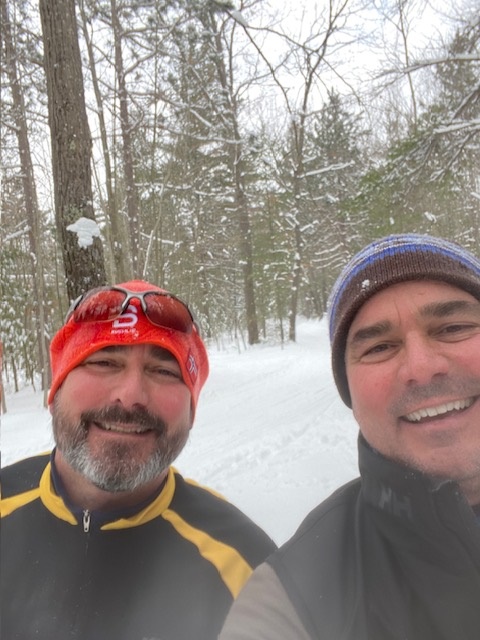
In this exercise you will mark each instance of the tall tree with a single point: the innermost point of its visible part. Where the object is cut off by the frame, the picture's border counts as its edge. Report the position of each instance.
(430, 178)
(309, 59)
(131, 191)
(117, 236)
(3, 403)
(335, 162)
(71, 147)
(29, 192)
(238, 170)
(197, 179)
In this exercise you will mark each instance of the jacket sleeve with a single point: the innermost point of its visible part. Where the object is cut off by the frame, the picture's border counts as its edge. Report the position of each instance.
(263, 611)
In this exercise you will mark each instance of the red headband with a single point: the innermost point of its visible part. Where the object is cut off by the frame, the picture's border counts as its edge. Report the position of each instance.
(76, 341)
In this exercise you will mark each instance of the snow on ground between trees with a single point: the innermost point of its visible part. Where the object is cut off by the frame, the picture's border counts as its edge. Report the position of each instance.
(271, 433)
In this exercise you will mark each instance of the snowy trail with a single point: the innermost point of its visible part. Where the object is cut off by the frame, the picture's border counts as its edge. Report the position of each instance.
(270, 433)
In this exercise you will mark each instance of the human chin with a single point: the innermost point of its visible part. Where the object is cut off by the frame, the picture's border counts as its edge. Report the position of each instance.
(114, 466)
(111, 469)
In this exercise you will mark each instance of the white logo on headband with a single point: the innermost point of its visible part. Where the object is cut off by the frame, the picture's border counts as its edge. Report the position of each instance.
(192, 367)
(127, 320)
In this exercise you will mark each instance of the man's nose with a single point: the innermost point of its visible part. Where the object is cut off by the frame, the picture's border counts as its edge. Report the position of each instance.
(423, 360)
(130, 389)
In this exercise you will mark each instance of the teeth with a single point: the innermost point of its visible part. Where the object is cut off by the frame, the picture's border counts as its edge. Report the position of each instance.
(431, 412)
(117, 429)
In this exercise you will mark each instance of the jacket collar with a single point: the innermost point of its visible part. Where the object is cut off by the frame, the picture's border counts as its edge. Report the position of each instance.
(55, 499)
(412, 501)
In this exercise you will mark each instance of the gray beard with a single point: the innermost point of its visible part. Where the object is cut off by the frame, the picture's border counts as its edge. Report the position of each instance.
(114, 469)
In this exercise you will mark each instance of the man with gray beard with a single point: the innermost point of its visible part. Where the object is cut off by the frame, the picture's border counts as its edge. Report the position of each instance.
(103, 538)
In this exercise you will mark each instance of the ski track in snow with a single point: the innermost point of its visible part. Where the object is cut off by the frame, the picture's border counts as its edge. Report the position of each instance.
(271, 433)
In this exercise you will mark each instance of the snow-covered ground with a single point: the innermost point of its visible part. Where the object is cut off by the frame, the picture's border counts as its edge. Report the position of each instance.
(271, 433)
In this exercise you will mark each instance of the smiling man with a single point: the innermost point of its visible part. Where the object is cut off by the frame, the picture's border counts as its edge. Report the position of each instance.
(103, 539)
(395, 554)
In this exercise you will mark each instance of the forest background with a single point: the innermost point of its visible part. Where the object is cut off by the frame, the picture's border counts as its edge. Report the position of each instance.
(235, 153)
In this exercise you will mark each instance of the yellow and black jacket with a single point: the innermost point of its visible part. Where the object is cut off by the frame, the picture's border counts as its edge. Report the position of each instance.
(170, 571)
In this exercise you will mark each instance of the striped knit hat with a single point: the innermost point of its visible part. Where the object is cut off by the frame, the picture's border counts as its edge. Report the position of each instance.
(384, 262)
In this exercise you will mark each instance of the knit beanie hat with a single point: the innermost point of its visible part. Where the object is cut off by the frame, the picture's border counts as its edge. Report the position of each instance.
(396, 258)
(75, 341)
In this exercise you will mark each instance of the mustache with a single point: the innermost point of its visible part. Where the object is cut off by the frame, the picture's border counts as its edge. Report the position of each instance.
(138, 416)
(452, 388)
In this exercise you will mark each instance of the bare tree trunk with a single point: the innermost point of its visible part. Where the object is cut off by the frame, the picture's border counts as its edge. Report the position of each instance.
(30, 194)
(246, 253)
(241, 199)
(331, 17)
(71, 145)
(131, 194)
(296, 282)
(297, 270)
(117, 237)
(3, 404)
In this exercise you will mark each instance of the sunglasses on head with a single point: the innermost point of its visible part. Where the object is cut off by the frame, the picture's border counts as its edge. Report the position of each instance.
(104, 304)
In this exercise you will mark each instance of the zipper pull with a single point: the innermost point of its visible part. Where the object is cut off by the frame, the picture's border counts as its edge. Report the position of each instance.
(86, 520)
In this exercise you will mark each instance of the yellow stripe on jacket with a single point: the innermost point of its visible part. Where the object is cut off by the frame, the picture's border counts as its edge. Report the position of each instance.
(232, 567)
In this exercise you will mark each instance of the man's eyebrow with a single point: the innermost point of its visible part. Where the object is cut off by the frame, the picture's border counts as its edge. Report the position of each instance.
(449, 307)
(434, 309)
(162, 354)
(370, 332)
(157, 352)
(112, 348)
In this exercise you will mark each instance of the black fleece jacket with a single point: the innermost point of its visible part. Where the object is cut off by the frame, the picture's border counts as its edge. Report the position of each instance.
(394, 555)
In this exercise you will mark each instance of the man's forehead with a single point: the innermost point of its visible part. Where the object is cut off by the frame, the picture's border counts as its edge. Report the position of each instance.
(442, 299)
(154, 350)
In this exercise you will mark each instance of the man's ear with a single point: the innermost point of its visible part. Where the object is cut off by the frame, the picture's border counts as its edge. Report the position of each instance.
(192, 416)
(51, 406)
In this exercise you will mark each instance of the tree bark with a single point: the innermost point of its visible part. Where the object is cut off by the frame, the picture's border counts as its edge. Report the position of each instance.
(3, 404)
(118, 239)
(131, 194)
(237, 165)
(71, 145)
(29, 193)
